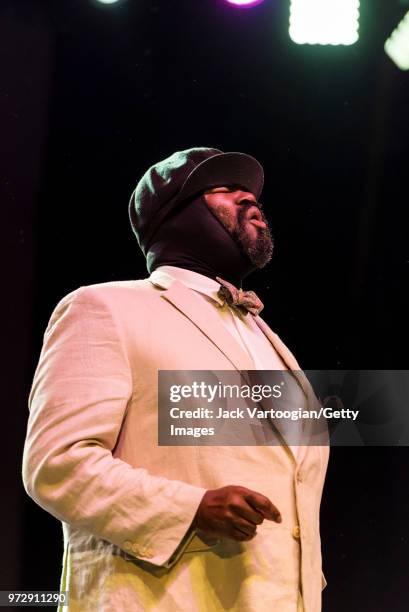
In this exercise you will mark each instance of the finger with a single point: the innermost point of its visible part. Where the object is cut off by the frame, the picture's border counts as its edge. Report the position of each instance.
(249, 513)
(245, 527)
(241, 536)
(264, 505)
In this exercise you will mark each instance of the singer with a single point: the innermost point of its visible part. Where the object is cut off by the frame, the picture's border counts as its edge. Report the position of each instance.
(173, 529)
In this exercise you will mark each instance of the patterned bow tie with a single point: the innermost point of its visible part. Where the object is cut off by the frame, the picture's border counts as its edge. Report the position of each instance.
(247, 301)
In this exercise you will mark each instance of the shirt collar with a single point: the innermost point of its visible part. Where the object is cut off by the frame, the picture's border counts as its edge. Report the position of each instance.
(165, 275)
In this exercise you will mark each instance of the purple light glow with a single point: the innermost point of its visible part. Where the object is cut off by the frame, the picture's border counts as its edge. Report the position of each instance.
(244, 3)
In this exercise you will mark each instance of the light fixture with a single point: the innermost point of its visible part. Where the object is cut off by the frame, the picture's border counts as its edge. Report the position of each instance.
(397, 45)
(324, 22)
(244, 3)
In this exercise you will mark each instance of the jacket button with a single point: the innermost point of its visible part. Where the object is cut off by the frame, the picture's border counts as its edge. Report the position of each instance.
(299, 478)
(296, 532)
(135, 548)
(127, 545)
(148, 553)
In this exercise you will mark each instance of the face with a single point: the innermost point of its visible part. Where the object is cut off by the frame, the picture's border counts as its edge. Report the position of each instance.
(241, 215)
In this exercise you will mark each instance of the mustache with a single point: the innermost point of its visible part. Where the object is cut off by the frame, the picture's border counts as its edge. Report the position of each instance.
(249, 203)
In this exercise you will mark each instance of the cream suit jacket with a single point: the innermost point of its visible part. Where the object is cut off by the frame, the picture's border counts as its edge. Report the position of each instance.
(92, 460)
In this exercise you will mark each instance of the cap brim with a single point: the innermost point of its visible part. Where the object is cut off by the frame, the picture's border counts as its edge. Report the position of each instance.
(224, 169)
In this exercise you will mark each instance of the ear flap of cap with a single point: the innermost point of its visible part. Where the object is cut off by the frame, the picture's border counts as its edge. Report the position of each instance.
(156, 193)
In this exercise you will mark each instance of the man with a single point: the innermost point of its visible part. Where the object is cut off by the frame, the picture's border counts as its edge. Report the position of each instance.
(149, 527)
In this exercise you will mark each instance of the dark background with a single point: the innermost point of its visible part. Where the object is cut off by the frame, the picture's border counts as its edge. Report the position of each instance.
(91, 95)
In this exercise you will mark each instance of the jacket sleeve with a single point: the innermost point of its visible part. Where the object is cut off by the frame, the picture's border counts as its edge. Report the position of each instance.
(78, 400)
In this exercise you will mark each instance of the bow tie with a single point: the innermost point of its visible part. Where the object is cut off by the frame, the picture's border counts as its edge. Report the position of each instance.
(247, 301)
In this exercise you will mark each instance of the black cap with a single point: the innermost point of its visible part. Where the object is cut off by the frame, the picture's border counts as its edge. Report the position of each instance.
(182, 176)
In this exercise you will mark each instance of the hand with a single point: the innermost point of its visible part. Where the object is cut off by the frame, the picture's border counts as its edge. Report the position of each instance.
(234, 512)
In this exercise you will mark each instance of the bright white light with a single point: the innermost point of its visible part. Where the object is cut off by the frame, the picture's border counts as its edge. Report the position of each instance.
(324, 22)
(244, 3)
(107, 1)
(397, 45)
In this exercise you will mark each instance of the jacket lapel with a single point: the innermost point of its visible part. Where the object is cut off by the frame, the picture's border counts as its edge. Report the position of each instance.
(206, 319)
(208, 322)
(279, 346)
(286, 356)
(295, 369)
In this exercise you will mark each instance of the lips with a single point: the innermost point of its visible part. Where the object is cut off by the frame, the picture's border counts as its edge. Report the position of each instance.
(257, 223)
(255, 217)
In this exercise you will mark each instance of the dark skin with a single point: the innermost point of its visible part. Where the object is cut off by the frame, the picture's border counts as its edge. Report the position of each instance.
(242, 216)
(234, 512)
(226, 202)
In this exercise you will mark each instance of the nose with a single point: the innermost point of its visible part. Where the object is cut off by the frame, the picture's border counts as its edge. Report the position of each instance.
(245, 197)
(248, 203)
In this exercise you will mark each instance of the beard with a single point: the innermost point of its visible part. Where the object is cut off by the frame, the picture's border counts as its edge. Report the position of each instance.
(260, 249)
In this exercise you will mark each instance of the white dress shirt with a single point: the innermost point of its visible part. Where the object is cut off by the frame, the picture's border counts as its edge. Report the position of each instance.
(243, 327)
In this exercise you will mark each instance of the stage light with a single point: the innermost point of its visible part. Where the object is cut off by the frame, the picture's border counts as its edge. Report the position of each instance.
(324, 22)
(107, 1)
(397, 45)
(244, 3)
